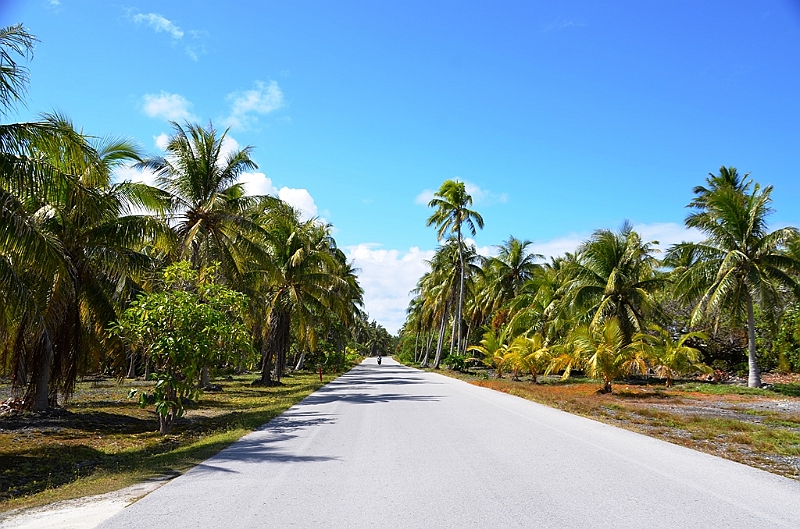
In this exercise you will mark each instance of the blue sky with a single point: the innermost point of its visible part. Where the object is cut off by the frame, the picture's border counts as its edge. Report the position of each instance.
(562, 117)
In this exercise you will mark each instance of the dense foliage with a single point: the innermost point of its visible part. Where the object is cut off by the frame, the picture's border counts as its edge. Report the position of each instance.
(168, 281)
(612, 309)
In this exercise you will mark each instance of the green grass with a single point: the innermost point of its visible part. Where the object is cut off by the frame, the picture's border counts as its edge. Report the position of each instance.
(103, 441)
(722, 389)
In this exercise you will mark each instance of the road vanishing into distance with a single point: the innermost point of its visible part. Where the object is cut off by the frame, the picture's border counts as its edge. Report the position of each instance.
(395, 447)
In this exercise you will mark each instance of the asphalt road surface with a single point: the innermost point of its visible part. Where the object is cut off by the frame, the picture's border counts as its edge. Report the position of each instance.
(389, 446)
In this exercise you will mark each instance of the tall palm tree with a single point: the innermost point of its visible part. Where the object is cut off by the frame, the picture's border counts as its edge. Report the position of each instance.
(303, 277)
(452, 204)
(208, 206)
(740, 262)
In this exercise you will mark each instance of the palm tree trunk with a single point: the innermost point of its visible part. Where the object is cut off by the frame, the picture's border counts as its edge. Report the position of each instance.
(754, 378)
(461, 285)
(41, 374)
(440, 343)
(279, 333)
(300, 361)
(132, 365)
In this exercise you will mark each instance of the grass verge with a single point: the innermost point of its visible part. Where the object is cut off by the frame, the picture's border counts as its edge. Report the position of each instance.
(102, 441)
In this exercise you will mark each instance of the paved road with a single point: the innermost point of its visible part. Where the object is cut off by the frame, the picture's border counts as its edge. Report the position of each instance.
(390, 446)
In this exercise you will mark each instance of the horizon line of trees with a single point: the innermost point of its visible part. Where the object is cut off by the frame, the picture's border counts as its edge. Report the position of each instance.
(612, 309)
(80, 253)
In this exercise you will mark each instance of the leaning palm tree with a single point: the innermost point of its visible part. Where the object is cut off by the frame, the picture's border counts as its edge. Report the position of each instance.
(452, 204)
(740, 263)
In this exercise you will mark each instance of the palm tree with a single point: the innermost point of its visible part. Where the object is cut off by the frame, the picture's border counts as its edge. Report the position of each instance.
(529, 354)
(78, 285)
(494, 348)
(603, 352)
(670, 357)
(740, 263)
(14, 40)
(302, 278)
(615, 276)
(208, 207)
(452, 212)
(510, 270)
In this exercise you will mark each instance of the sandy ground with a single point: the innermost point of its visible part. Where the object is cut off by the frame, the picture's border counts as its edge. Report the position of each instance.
(80, 513)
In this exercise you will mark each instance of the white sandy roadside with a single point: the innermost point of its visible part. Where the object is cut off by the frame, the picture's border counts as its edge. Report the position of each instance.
(80, 513)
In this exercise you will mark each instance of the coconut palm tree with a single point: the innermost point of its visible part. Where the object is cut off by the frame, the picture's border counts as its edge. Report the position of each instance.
(529, 354)
(740, 263)
(510, 270)
(91, 245)
(452, 204)
(303, 277)
(208, 206)
(494, 348)
(603, 352)
(614, 277)
(670, 357)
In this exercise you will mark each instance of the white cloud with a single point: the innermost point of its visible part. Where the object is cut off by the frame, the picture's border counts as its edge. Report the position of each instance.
(479, 196)
(424, 197)
(161, 141)
(134, 175)
(561, 23)
(485, 197)
(666, 233)
(387, 277)
(173, 107)
(194, 51)
(159, 24)
(559, 246)
(258, 184)
(263, 99)
(300, 199)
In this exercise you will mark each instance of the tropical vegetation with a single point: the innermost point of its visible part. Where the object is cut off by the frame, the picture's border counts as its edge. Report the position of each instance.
(614, 310)
(171, 281)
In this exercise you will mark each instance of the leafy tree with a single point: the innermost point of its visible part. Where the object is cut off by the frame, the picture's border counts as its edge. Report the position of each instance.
(180, 329)
(452, 204)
